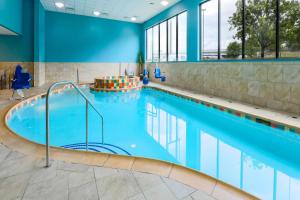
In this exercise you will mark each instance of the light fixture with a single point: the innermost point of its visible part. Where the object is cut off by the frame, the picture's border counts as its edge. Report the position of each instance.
(164, 3)
(133, 19)
(59, 4)
(96, 13)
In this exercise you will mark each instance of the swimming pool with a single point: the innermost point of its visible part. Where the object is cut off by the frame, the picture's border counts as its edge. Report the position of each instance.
(256, 158)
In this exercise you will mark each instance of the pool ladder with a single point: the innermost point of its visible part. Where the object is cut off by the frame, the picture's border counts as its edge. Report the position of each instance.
(87, 103)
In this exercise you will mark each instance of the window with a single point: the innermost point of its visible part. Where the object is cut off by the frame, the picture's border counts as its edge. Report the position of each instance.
(149, 37)
(260, 22)
(251, 29)
(182, 36)
(155, 44)
(231, 45)
(209, 11)
(172, 36)
(167, 41)
(163, 42)
(289, 29)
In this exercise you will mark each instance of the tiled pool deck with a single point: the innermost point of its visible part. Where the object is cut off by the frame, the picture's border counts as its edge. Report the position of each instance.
(24, 177)
(102, 176)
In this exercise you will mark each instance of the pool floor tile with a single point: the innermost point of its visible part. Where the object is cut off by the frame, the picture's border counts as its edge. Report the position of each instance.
(12, 167)
(179, 190)
(137, 197)
(4, 152)
(56, 188)
(72, 167)
(159, 192)
(117, 186)
(101, 172)
(146, 180)
(42, 173)
(87, 191)
(198, 195)
(14, 187)
(193, 179)
(77, 179)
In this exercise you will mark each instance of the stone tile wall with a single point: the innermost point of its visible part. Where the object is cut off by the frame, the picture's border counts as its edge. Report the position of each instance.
(87, 71)
(52, 72)
(274, 85)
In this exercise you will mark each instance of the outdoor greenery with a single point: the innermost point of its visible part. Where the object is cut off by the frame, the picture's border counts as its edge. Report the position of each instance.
(233, 50)
(290, 24)
(260, 26)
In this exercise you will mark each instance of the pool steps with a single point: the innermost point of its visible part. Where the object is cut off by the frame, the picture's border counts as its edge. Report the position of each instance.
(88, 104)
(98, 147)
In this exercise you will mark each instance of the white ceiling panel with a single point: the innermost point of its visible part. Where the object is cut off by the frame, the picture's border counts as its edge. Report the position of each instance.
(111, 9)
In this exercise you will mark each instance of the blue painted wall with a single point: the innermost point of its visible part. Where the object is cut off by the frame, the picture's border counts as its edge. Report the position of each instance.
(39, 32)
(192, 6)
(19, 48)
(73, 38)
(11, 15)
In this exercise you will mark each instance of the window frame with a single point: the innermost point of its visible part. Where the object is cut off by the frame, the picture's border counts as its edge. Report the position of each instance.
(167, 38)
(243, 39)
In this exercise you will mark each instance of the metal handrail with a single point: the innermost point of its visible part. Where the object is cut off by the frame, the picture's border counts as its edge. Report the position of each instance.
(88, 102)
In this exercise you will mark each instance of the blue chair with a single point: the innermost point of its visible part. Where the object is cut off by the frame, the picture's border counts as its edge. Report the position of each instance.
(21, 80)
(145, 73)
(157, 75)
(145, 77)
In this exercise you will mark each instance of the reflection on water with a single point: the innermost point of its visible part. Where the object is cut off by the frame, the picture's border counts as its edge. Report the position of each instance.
(167, 130)
(191, 146)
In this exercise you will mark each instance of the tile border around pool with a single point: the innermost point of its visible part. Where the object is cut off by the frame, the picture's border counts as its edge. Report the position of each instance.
(238, 113)
(209, 185)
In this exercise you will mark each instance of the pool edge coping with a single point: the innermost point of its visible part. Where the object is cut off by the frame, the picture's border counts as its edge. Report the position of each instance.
(198, 180)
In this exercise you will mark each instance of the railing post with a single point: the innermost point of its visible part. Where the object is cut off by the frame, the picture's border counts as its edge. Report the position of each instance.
(47, 130)
(77, 73)
(102, 127)
(87, 124)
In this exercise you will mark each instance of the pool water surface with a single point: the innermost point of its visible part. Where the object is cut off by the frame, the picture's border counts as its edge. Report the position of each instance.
(254, 157)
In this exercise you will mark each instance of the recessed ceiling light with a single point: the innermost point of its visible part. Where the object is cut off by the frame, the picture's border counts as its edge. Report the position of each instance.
(59, 4)
(96, 13)
(164, 3)
(133, 19)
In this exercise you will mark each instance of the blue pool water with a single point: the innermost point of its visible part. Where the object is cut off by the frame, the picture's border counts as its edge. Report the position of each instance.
(256, 158)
